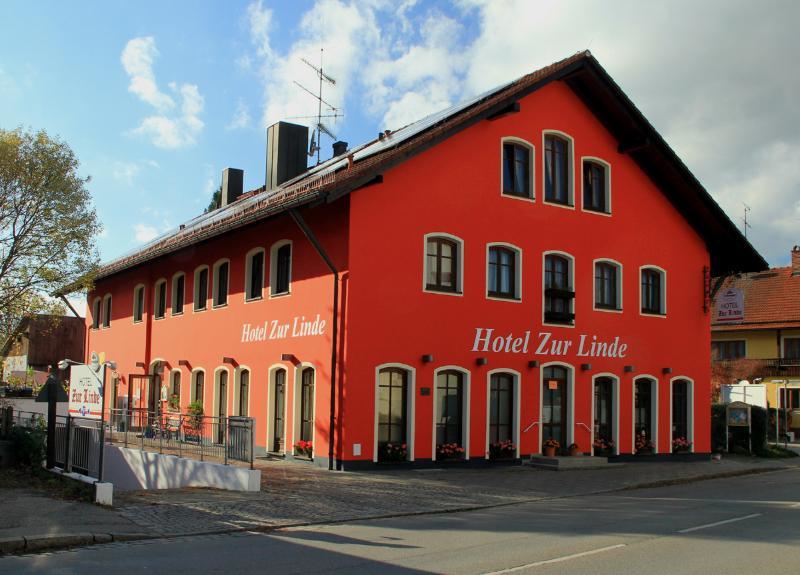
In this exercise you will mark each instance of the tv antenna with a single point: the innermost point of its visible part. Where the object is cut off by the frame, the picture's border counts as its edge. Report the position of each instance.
(744, 219)
(333, 111)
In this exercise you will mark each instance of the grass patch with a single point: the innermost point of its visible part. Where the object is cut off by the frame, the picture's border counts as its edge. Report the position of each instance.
(43, 480)
(776, 452)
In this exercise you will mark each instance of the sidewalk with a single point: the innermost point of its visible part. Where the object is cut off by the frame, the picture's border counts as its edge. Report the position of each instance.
(295, 494)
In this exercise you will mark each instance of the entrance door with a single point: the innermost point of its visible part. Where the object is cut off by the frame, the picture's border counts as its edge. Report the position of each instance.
(643, 425)
(603, 416)
(554, 405)
(222, 405)
(139, 387)
(279, 406)
(392, 414)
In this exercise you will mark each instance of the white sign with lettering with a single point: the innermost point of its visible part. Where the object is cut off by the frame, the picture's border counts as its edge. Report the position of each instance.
(274, 329)
(86, 391)
(545, 344)
(730, 306)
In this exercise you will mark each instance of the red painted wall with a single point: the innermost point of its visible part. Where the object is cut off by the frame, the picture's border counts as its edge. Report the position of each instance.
(455, 188)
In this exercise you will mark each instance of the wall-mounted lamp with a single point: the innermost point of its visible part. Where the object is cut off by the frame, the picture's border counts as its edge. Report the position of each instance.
(185, 363)
(288, 357)
(533, 363)
(229, 361)
(666, 370)
(586, 366)
(481, 361)
(427, 358)
(141, 364)
(629, 368)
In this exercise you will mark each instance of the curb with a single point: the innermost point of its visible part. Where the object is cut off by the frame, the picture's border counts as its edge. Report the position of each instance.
(39, 543)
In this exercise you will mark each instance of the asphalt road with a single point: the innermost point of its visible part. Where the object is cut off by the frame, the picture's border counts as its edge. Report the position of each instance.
(747, 524)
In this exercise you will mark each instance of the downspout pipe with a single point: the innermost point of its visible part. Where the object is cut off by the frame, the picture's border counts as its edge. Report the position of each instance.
(301, 223)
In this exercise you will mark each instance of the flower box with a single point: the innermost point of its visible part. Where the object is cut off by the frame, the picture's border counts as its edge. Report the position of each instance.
(502, 450)
(449, 451)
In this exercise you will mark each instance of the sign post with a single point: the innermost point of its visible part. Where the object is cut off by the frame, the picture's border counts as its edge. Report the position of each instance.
(87, 398)
(730, 307)
(737, 414)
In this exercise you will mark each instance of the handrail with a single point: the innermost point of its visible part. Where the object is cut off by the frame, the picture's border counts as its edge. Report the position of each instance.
(586, 427)
(527, 429)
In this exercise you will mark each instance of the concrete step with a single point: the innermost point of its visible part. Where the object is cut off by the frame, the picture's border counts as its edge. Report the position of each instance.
(564, 463)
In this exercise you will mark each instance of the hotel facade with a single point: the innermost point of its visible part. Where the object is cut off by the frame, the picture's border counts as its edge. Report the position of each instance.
(532, 264)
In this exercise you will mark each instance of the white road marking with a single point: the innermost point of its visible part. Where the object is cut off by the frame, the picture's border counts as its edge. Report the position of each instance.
(708, 500)
(557, 559)
(706, 526)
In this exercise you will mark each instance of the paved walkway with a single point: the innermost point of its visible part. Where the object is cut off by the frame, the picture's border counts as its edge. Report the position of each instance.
(297, 494)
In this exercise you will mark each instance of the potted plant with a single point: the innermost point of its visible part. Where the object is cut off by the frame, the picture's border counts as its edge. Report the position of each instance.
(574, 449)
(643, 445)
(193, 426)
(502, 449)
(446, 451)
(681, 445)
(174, 402)
(602, 446)
(304, 449)
(392, 452)
(550, 446)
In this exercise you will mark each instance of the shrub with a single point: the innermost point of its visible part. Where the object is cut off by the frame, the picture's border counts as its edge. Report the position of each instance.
(28, 446)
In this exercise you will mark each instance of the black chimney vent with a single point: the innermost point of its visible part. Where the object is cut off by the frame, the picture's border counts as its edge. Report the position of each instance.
(339, 148)
(232, 186)
(286, 153)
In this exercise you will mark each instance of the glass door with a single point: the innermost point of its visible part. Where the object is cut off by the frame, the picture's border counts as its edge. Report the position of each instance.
(554, 405)
(279, 406)
(392, 414)
(603, 416)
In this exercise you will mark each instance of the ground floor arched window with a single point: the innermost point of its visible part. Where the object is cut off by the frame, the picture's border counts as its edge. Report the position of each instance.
(450, 413)
(392, 414)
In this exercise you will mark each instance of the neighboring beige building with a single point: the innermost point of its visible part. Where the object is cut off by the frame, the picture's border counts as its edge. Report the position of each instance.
(758, 336)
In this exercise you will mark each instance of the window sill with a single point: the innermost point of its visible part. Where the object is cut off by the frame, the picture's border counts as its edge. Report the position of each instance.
(596, 211)
(220, 305)
(280, 294)
(504, 298)
(607, 309)
(199, 309)
(429, 289)
(559, 205)
(137, 321)
(252, 299)
(176, 313)
(531, 199)
(652, 314)
(159, 317)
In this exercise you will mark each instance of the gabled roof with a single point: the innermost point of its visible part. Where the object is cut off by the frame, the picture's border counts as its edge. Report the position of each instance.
(771, 299)
(730, 251)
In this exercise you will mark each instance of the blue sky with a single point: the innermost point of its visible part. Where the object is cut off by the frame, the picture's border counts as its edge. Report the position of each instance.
(157, 97)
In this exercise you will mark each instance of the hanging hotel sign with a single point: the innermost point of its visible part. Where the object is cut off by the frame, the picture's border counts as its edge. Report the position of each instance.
(299, 326)
(730, 307)
(86, 391)
(543, 343)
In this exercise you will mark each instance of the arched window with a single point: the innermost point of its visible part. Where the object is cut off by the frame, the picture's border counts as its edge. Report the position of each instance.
(392, 414)
(201, 288)
(653, 291)
(607, 285)
(558, 169)
(558, 291)
(644, 412)
(449, 412)
(107, 310)
(596, 184)
(680, 411)
(278, 410)
(555, 400)
(254, 274)
(96, 307)
(280, 268)
(178, 285)
(517, 162)
(174, 400)
(221, 273)
(138, 303)
(503, 273)
(198, 387)
(501, 409)
(244, 392)
(307, 405)
(160, 300)
(442, 264)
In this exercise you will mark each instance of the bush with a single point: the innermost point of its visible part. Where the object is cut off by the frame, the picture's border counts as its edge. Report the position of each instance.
(739, 440)
(28, 446)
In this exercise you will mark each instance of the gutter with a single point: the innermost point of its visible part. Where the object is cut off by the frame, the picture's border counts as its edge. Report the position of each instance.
(307, 231)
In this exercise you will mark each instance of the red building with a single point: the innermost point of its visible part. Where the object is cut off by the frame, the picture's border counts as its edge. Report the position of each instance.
(531, 264)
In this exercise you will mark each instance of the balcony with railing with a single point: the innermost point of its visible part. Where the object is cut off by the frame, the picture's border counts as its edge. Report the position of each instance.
(754, 368)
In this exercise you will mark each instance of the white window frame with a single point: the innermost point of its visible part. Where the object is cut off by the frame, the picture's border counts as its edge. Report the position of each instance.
(689, 411)
(139, 288)
(105, 314)
(517, 377)
(296, 405)
(215, 284)
(410, 413)
(607, 166)
(273, 268)
(460, 263)
(618, 266)
(531, 165)
(571, 259)
(614, 405)
(248, 274)
(171, 388)
(517, 272)
(193, 380)
(215, 398)
(663, 273)
(570, 174)
(273, 369)
(173, 294)
(237, 378)
(155, 298)
(570, 401)
(196, 286)
(654, 383)
(465, 408)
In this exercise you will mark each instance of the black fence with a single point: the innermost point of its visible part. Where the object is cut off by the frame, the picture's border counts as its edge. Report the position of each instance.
(190, 435)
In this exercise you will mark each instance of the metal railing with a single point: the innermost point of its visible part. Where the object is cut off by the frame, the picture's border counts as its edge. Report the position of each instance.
(770, 367)
(183, 434)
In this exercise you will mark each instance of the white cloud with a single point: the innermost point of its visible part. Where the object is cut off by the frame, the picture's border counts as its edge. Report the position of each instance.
(144, 233)
(168, 128)
(241, 117)
(125, 172)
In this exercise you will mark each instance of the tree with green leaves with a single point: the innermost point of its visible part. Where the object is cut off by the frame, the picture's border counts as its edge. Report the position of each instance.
(47, 226)
(216, 200)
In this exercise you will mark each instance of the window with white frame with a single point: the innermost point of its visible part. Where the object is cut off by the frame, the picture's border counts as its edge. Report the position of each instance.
(178, 291)
(254, 275)
(201, 288)
(558, 169)
(443, 259)
(596, 186)
(559, 290)
(96, 307)
(607, 285)
(503, 272)
(653, 282)
(221, 273)
(517, 169)
(160, 299)
(174, 401)
(138, 303)
(107, 310)
(280, 276)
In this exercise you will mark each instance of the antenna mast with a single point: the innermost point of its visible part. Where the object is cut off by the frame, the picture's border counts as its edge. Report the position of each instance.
(746, 225)
(320, 128)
